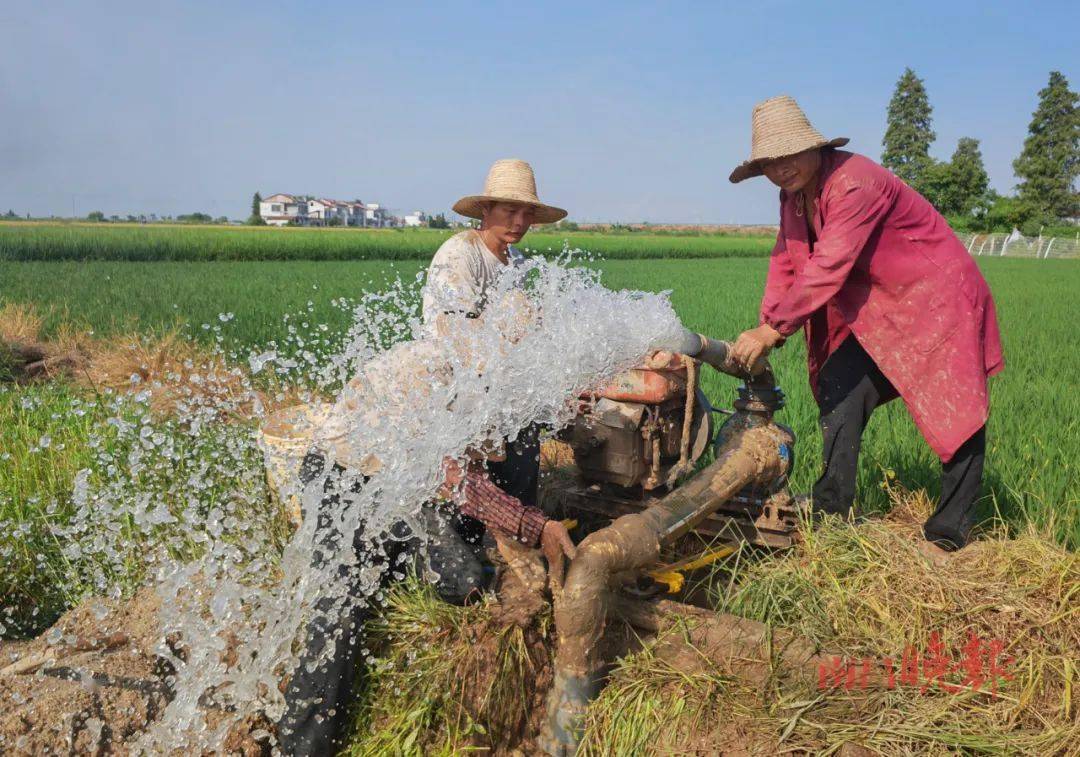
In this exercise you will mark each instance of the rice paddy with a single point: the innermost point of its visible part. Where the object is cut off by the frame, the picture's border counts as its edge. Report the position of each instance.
(1034, 435)
(132, 242)
(857, 590)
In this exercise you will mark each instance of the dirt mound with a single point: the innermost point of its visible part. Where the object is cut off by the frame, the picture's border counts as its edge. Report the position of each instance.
(94, 682)
(88, 685)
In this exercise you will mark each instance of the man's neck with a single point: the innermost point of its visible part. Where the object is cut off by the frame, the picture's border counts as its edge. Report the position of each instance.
(809, 196)
(497, 246)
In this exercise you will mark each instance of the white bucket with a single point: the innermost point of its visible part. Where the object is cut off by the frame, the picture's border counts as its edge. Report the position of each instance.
(284, 438)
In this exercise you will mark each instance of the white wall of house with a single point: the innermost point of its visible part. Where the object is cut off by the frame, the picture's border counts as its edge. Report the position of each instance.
(376, 215)
(318, 211)
(280, 209)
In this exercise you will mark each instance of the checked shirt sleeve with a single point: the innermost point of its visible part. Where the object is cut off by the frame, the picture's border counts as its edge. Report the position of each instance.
(480, 498)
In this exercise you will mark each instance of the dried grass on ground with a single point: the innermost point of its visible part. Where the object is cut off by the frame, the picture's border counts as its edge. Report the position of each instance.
(856, 590)
(178, 373)
(19, 323)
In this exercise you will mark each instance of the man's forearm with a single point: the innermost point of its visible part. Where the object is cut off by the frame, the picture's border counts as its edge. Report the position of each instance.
(481, 499)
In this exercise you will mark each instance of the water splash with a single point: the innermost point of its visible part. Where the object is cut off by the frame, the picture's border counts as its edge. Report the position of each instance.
(235, 602)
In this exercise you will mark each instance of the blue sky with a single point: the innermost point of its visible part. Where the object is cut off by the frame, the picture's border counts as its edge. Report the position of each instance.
(628, 111)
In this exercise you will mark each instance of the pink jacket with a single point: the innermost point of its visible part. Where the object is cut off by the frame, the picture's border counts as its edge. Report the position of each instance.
(895, 273)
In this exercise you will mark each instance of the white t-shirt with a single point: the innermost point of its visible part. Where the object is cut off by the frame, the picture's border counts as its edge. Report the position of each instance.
(459, 277)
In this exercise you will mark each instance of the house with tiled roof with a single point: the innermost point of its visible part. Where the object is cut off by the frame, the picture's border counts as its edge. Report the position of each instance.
(281, 209)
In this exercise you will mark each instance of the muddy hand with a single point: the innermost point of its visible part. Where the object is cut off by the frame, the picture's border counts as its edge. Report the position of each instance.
(453, 475)
(556, 545)
(754, 345)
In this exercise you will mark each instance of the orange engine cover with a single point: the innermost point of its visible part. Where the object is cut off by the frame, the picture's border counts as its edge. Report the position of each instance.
(663, 379)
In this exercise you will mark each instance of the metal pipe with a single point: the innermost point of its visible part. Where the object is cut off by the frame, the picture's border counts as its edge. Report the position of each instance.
(717, 353)
(753, 452)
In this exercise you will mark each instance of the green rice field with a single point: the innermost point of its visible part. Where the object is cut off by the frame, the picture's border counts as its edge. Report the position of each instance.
(1034, 436)
(132, 242)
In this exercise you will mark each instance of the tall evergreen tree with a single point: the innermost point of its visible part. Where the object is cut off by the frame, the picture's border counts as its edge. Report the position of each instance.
(968, 175)
(1050, 162)
(256, 219)
(908, 134)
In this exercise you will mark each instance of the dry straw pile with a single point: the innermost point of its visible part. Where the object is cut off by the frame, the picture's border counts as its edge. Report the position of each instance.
(453, 678)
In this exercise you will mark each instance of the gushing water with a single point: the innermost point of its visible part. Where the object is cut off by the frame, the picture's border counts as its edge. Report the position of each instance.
(235, 604)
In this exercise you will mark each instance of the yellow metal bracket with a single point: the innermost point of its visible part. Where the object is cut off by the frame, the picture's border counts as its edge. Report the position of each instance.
(673, 576)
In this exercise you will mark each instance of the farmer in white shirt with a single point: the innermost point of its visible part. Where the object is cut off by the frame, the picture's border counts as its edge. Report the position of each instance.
(463, 271)
(466, 267)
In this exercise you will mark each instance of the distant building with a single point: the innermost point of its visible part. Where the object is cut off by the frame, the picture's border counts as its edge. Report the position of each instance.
(281, 209)
(323, 212)
(377, 216)
(416, 218)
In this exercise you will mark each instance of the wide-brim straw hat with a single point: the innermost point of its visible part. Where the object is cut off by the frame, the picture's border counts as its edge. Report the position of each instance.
(779, 128)
(509, 180)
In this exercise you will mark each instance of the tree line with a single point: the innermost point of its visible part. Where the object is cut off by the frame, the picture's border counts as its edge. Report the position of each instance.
(1048, 164)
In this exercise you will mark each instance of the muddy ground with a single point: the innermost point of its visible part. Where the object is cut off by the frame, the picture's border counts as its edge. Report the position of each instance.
(88, 685)
(94, 682)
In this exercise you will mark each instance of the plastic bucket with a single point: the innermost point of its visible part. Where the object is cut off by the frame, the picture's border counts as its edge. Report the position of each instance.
(285, 437)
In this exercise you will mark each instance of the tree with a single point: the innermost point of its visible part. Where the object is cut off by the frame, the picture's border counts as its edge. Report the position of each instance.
(969, 175)
(908, 134)
(938, 185)
(1007, 213)
(1049, 164)
(956, 187)
(95, 215)
(438, 222)
(256, 219)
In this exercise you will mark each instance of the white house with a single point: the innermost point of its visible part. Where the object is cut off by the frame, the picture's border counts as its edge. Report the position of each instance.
(376, 215)
(356, 210)
(416, 218)
(321, 211)
(280, 209)
(324, 212)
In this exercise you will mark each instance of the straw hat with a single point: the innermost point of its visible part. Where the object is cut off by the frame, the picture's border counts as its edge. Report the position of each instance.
(779, 128)
(509, 180)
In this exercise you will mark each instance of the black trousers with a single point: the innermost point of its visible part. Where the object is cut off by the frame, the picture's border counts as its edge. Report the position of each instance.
(519, 474)
(850, 387)
(316, 719)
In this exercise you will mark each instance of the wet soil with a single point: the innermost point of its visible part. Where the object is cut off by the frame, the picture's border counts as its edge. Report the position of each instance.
(93, 683)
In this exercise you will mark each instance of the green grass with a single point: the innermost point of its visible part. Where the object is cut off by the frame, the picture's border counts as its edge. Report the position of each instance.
(48, 433)
(128, 242)
(1034, 435)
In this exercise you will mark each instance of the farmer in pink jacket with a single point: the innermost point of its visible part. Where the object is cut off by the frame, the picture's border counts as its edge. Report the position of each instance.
(890, 303)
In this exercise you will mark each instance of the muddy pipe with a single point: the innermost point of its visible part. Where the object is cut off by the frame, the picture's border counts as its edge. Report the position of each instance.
(717, 353)
(752, 452)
